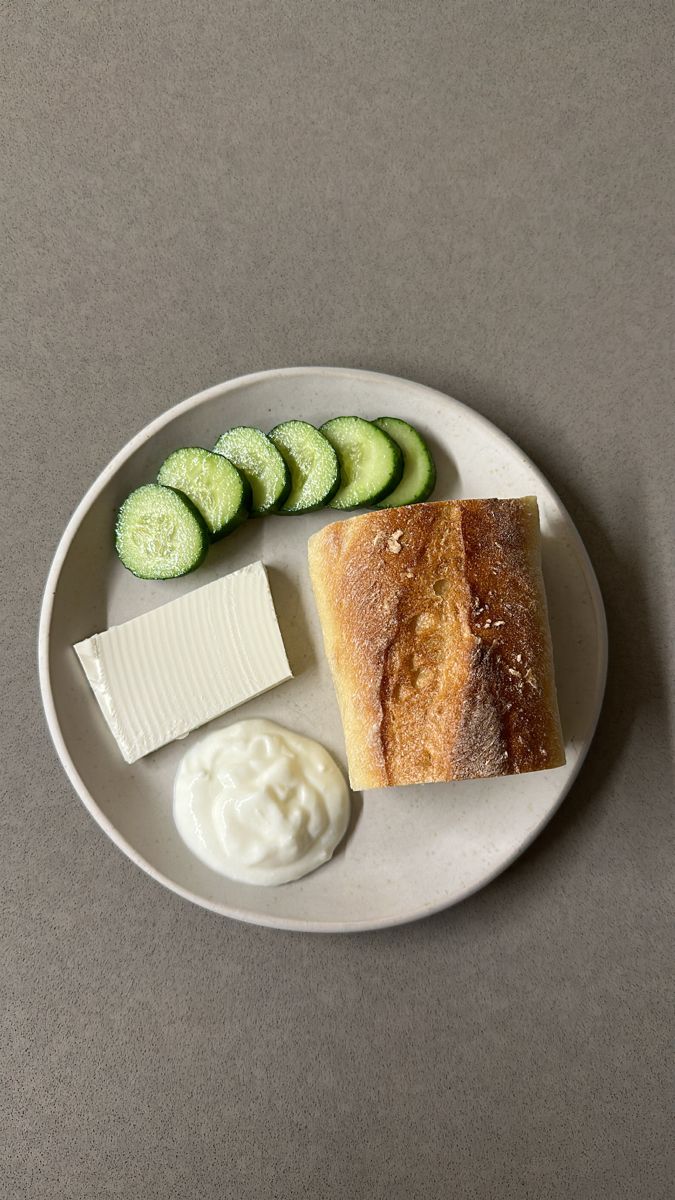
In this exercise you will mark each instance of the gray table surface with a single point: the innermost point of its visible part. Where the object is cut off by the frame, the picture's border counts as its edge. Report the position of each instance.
(474, 195)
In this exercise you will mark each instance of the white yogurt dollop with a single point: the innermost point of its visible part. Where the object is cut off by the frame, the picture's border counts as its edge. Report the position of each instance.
(260, 804)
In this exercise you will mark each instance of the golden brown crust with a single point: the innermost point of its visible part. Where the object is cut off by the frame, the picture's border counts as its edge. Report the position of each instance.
(436, 630)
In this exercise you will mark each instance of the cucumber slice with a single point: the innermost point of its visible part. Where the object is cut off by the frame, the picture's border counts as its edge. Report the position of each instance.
(212, 483)
(419, 473)
(312, 462)
(261, 465)
(371, 463)
(160, 534)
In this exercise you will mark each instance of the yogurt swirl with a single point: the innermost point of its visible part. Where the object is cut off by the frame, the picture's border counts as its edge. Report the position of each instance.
(260, 804)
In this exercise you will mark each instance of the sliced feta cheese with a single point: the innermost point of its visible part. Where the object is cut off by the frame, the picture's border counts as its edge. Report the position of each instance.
(165, 673)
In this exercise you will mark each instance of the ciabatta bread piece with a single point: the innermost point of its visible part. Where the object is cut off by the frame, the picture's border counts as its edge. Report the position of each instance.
(436, 630)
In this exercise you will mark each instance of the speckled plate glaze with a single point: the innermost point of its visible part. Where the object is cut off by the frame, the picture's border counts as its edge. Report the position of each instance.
(409, 851)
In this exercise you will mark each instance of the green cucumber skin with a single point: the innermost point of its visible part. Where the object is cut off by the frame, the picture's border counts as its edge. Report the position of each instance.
(282, 496)
(194, 512)
(242, 511)
(327, 496)
(242, 514)
(421, 449)
(412, 448)
(392, 481)
(297, 512)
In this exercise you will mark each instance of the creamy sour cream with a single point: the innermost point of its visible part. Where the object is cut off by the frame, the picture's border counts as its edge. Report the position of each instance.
(260, 804)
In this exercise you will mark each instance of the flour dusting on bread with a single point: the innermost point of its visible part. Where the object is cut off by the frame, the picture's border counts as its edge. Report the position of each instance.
(436, 630)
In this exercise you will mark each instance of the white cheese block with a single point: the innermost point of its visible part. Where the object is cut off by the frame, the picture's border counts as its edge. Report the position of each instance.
(165, 673)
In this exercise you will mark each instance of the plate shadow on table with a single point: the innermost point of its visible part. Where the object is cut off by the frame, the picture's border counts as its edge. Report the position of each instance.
(636, 686)
(636, 680)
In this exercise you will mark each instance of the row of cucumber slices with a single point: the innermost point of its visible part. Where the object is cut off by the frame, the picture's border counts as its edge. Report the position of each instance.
(164, 529)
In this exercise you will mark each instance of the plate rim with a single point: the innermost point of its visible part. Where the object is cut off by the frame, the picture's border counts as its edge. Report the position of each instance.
(294, 924)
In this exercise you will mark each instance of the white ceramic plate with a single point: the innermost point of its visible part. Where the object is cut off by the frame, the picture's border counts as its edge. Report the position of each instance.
(410, 851)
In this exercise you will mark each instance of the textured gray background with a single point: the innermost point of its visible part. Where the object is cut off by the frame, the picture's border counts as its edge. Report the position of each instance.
(476, 195)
